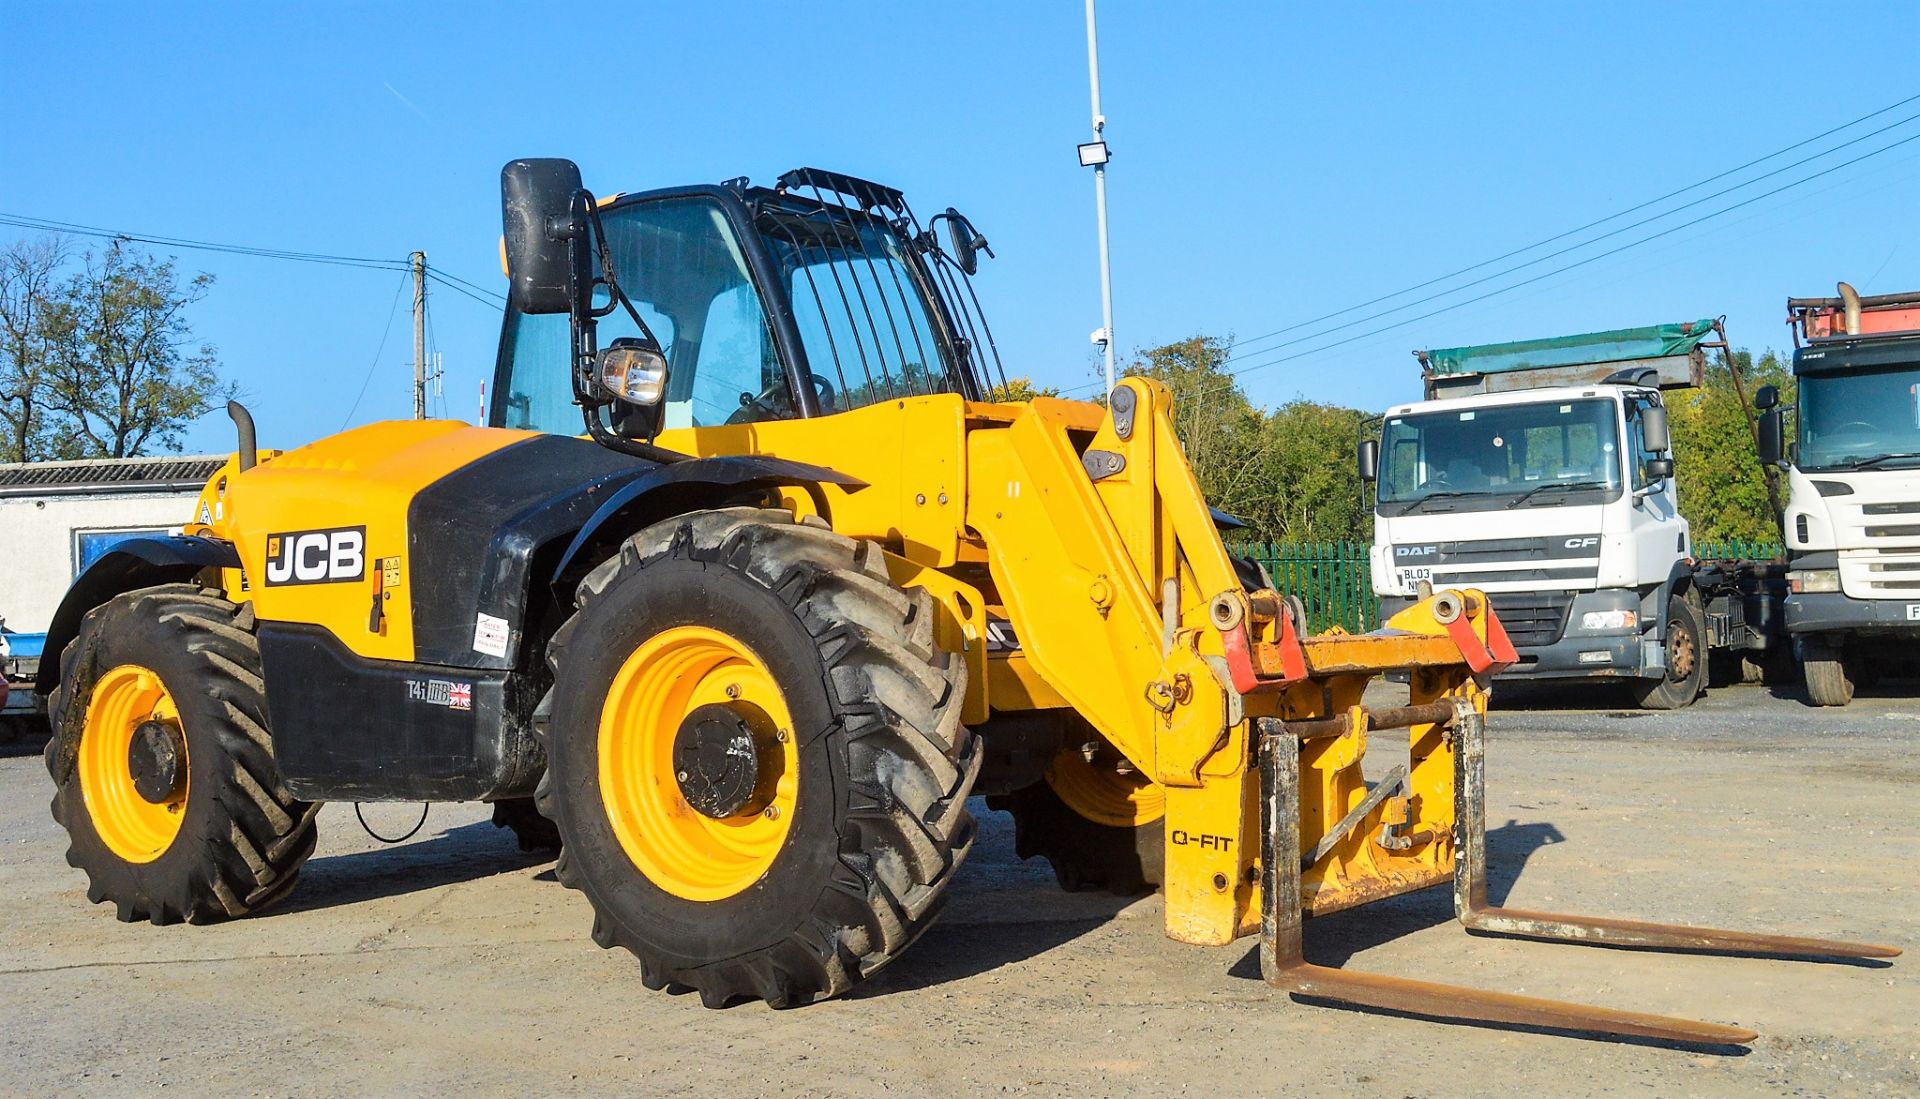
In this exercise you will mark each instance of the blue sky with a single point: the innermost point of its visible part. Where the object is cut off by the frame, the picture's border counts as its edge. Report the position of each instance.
(1272, 163)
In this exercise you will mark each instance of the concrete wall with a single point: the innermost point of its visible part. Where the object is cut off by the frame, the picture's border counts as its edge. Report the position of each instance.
(38, 547)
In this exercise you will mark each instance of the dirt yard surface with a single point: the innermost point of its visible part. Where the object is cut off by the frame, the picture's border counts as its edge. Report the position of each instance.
(454, 964)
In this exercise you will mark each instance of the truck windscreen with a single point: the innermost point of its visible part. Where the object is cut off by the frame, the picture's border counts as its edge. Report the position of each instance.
(1550, 453)
(1862, 417)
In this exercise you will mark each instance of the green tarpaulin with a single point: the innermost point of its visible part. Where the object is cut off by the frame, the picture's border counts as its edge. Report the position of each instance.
(1621, 344)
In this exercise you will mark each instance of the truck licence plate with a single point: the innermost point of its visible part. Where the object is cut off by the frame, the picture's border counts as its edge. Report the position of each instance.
(1410, 577)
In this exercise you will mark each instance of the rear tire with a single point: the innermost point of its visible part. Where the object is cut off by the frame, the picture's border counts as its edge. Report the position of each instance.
(522, 817)
(1107, 833)
(228, 840)
(1686, 672)
(874, 774)
(1829, 679)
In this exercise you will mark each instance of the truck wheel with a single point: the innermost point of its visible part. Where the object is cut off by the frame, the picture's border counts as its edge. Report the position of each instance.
(755, 757)
(1686, 659)
(1098, 823)
(522, 817)
(163, 767)
(1828, 680)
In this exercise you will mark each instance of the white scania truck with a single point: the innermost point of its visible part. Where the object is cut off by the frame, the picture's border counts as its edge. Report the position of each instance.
(1541, 473)
(1852, 520)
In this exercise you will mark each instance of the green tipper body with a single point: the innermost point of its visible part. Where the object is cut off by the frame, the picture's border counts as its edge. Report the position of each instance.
(1672, 351)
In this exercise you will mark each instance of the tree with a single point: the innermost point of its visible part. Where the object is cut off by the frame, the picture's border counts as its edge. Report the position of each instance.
(121, 373)
(1020, 388)
(28, 270)
(1288, 474)
(1723, 486)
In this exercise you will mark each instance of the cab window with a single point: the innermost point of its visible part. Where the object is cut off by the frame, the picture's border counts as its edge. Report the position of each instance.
(680, 263)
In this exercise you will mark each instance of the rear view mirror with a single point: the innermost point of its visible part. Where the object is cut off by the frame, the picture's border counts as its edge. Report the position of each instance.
(539, 224)
(1767, 397)
(1773, 436)
(1659, 469)
(967, 244)
(1369, 457)
(1653, 429)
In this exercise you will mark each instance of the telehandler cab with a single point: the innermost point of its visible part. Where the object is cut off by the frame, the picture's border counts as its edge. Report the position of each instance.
(747, 588)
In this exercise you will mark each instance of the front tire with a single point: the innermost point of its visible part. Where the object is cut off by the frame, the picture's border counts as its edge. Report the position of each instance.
(1686, 672)
(755, 757)
(163, 767)
(1830, 679)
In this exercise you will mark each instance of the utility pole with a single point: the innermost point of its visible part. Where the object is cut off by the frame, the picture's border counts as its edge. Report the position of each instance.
(1094, 155)
(419, 263)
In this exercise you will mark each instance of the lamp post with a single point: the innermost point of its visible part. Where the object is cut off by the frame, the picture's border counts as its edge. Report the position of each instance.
(1094, 154)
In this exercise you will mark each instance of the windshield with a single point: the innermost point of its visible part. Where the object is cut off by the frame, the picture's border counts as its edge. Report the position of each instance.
(1539, 455)
(679, 262)
(861, 312)
(1861, 416)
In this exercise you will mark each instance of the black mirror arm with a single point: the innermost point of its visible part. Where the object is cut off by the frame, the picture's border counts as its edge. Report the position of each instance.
(581, 321)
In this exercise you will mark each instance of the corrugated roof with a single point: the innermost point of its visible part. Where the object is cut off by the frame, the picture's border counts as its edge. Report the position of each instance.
(188, 470)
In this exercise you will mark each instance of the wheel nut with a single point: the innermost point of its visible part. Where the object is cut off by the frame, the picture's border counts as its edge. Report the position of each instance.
(781, 735)
(771, 812)
(733, 690)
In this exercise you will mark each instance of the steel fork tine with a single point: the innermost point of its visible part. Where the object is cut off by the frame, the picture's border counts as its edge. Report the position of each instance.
(1470, 886)
(1284, 965)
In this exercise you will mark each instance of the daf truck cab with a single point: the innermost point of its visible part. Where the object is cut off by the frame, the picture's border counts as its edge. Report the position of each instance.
(1852, 520)
(1541, 473)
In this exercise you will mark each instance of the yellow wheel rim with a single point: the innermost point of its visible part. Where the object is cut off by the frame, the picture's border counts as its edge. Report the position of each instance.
(132, 827)
(1102, 793)
(678, 848)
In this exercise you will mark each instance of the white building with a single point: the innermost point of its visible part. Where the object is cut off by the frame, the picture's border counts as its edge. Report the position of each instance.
(56, 518)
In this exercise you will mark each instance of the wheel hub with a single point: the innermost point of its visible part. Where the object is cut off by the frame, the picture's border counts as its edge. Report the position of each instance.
(155, 758)
(716, 759)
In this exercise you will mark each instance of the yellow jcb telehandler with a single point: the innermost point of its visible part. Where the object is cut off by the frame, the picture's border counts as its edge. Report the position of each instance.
(746, 589)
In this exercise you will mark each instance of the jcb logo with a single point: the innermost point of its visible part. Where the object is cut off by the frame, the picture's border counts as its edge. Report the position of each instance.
(317, 556)
(1582, 543)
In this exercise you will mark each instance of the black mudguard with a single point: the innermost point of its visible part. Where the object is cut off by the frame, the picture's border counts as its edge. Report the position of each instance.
(131, 564)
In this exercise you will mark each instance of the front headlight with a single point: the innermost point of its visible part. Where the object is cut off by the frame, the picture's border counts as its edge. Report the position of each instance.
(1609, 620)
(1813, 580)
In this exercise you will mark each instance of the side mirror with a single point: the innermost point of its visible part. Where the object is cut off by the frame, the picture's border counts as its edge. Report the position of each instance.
(1773, 436)
(1659, 469)
(540, 227)
(967, 244)
(1369, 458)
(634, 370)
(1768, 396)
(1653, 429)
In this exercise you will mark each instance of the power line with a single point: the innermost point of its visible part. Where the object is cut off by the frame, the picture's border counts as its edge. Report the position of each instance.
(49, 225)
(1617, 215)
(384, 332)
(1577, 263)
(435, 275)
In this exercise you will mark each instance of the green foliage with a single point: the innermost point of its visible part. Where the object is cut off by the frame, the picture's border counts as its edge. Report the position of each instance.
(1288, 473)
(96, 356)
(1020, 388)
(1723, 488)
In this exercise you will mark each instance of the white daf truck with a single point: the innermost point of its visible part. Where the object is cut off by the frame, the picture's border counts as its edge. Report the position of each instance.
(1541, 473)
(1852, 520)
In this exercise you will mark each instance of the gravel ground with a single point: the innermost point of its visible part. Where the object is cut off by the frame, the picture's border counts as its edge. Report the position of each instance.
(453, 963)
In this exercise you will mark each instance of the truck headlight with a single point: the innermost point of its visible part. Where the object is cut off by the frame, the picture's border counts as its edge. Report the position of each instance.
(1813, 580)
(1609, 620)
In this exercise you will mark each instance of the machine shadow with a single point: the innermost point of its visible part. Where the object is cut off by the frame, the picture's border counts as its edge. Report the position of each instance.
(455, 855)
(1334, 939)
(971, 937)
(18, 742)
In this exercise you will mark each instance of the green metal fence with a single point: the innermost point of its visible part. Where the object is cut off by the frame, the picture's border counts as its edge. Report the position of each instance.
(1331, 578)
(1741, 550)
(1335, 582)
